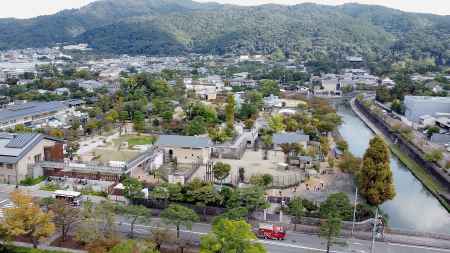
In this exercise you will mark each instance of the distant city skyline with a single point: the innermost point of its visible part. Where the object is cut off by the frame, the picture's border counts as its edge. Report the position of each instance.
(28, 9)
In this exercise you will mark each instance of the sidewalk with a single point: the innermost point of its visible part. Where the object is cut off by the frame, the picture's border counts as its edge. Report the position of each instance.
(46, 247)
(388, 237)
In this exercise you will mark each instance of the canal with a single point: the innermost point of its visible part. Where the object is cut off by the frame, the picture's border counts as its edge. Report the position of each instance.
(414, 207)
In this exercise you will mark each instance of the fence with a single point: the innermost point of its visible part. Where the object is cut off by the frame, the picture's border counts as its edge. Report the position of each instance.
(279, 182)
(163, 204)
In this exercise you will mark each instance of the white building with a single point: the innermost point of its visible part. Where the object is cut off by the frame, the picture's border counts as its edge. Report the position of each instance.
(20, 152)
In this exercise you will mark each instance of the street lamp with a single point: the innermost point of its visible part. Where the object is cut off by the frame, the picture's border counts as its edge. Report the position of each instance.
(354, 218)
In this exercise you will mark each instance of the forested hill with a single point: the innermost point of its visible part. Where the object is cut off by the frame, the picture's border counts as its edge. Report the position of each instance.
(181, 26)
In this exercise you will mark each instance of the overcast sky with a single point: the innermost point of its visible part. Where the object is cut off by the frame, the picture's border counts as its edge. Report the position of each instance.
(32, 8)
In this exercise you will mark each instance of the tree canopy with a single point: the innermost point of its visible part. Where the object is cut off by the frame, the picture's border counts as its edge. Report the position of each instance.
(375, 179)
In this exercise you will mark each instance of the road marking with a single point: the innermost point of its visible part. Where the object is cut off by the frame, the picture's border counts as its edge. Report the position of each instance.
(147, 226)
(419, 247)
(275, 243)
(295, 246)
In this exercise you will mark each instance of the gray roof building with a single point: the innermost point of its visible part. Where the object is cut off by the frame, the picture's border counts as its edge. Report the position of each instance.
(29, 109)
(182, 141)
(416, 106)
(293, 137)
(14, 146)
(440, 138)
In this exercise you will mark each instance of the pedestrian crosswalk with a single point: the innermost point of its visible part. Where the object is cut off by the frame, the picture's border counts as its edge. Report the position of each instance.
(5, 203)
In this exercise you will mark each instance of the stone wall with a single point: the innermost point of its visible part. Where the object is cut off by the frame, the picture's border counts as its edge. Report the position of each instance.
(407, 148)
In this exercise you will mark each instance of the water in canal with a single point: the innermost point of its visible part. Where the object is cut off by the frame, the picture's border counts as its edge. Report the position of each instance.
(413, 208)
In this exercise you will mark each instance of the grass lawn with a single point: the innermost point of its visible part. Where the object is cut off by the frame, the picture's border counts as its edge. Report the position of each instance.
(106, 155)
(141, 140)
(134, 140)
(32, 181)
(51, 187)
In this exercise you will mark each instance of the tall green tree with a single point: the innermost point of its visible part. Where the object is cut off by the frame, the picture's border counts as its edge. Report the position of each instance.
(134, 213)
(221, 171)
(132, 188)
(252, 198)
(267, 144)
(178, 216)
(138, 121)
(269, 87)
(231, 236)
(330, 229)
(296, 209)
(230, 109)
(262, 180)
(205, 196)
(375, 176)
(337, 203)
(196, 126)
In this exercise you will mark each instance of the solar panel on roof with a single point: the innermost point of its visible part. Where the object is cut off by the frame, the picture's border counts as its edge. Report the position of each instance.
(5, 136)
(20, 107)
(20, 141)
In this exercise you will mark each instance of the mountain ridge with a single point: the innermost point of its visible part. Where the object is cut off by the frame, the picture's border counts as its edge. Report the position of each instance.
(164, 27)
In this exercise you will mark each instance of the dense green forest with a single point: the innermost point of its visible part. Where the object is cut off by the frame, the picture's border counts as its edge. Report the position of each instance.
(162, 27)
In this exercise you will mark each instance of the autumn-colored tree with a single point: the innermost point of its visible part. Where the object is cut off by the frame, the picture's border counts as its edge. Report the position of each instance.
(27, 219)
(66, 216)
(331, 161)
(324, 145)
(159, 236)
(375, 176)
(72, 147)
(97, 227)
(276, 123)
(291, 149)
(349, 163)
(55, 132)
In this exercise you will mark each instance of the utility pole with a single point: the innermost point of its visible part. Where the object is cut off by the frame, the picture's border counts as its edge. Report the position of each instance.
(354, 218)
(375, 224)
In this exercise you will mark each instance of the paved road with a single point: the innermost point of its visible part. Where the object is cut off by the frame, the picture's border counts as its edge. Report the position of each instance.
(297, 242)
(4, 203)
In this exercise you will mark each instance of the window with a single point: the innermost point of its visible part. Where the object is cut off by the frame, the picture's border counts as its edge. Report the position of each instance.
(37, 158)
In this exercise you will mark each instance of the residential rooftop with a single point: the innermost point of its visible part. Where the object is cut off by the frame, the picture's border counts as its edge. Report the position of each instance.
(183, 141)
(15, 111)
(14, 146)
(292, 137)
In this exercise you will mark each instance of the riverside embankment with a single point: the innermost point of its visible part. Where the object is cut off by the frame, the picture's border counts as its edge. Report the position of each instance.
(414, 207)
